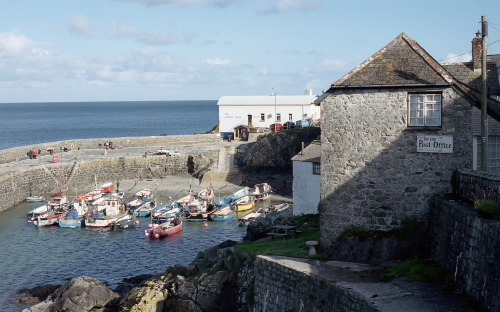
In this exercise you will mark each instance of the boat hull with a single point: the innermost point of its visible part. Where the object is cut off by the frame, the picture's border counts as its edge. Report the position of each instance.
(73, 223)
(159, 232)
(244, 206)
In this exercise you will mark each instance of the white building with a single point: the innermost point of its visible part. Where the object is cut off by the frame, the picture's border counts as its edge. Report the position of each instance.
(263, 111)
(306, 180)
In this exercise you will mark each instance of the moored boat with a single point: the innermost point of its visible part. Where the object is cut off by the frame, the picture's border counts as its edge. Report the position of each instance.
(262, 191)
(74, 217)
(104, 212)
(144, 195)
(169, 208)
(34, 213)
(223, 213)
(245, 220)
(244, 203)
(125, 222)
(163, 225)
(34, 199)
(49, 218)
(141, 208)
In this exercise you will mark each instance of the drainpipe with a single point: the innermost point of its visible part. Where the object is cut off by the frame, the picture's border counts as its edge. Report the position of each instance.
(484, 99)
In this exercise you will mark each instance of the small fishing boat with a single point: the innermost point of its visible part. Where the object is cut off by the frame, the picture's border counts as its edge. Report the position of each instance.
(144, 195)
(70, 219)
(93, 195)
(107, 187)
(245, 220)
(163, 225)
(74, 217)
(244, 203)
(104, 212)
(125, 222)
(49, 218)
(34, 213)
(169, 208)
(141, 208)
(242, 192)
(223, 213)
(197, 211)
(34, 199)
(262, 191)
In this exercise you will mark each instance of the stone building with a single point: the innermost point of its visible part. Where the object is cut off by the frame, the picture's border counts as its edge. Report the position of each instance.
(394, 129)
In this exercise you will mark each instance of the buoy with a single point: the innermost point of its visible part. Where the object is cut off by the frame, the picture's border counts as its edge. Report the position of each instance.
(205, 225)
(150, 225)
(136, 221)
(157, 235)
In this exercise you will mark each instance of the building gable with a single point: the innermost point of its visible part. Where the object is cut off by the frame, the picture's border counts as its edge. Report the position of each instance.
(401, 62)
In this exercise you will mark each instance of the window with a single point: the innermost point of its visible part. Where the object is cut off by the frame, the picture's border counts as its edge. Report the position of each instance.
(278, 117)
(290, 117)
(316, 168)
(262, 117)
(493, 154)
(424, 110)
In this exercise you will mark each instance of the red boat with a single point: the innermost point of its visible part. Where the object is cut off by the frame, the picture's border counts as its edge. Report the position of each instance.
(163, 225)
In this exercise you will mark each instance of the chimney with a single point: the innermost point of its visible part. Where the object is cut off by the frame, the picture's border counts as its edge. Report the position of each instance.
(477, 51)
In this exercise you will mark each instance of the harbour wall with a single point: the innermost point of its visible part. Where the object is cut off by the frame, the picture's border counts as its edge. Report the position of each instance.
(18, 153)
(82, 174)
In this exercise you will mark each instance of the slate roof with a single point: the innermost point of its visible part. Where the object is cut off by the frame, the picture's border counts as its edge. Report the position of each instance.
(402, 62)
(464, 72)
(312, 153)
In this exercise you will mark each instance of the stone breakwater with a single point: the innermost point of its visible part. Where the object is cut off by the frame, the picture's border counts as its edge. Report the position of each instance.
(86, 162)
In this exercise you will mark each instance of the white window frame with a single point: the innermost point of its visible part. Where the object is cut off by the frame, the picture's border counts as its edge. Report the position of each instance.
(316, 168)
(424, 110)
(278, 117)
(262, 117)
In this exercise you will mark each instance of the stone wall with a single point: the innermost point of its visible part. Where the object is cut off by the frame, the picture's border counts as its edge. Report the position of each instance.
(46, 179)
(469, 247)
(280, 288)
(371, 173)
(11, 154)
(476, 185)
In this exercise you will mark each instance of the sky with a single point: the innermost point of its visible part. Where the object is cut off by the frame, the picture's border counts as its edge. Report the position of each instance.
(155, 50)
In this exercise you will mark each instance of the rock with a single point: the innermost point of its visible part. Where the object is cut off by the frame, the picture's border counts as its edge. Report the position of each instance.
(79, 294)
(35, 294)
(128, 283)
(151, 296)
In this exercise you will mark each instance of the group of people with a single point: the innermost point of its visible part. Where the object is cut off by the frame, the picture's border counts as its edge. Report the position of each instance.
(33, 153)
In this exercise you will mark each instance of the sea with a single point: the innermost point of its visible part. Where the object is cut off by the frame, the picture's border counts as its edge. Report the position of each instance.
(32, 257)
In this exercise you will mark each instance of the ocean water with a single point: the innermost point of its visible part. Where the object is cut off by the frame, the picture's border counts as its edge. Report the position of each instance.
(31, 123)
(31, 257)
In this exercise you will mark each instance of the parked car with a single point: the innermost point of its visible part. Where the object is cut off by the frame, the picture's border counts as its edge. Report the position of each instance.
(289, 125)
(302, 123)
(277, 125)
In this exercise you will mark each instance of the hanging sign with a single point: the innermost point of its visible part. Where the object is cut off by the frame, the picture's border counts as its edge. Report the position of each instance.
(435, 144)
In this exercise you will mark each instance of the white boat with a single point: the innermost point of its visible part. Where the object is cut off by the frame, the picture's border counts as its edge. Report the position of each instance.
(144, 194)
(34, 199)
(105, 211)
(34, 213)
(262, 191)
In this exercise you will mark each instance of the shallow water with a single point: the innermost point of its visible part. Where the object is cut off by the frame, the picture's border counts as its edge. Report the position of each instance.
(31, 257)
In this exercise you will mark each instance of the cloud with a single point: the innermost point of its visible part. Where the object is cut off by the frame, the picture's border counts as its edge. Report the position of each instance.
(286, 6)
(453, 58)
(216, 62)
(79, 24)
(216, 3)
(122, 30)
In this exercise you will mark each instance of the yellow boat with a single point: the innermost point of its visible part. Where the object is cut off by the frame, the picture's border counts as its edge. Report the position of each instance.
(244, 203)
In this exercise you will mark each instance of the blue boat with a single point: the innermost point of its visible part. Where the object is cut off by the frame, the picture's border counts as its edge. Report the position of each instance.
(141, 208)
(169, 208)
(125, 222)
(222, 214)
(75, 216)
(70, 219)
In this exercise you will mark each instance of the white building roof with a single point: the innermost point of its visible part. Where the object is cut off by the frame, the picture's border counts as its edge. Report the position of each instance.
(266, 100)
